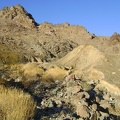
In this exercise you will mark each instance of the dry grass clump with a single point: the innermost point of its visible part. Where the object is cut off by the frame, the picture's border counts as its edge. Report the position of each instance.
(31, 69)
(15, 104)
(25, 73)
(30, 72)
(54, 73)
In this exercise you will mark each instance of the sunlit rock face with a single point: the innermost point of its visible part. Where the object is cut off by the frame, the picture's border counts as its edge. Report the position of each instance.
(19, 15)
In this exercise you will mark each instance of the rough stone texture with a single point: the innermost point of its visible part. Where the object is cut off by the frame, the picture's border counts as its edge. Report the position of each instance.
(19, 15)
(86, 85)
(82, 111)
(79, 105)
(65, 99)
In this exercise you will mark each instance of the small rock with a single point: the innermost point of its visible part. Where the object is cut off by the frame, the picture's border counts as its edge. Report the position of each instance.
(71, 83)
(76, 89)
(70, 77)
(107, 97)
(50, 104)
(83, 102)
(98, 99)
(82, 111)
(94, 107)
(80, 95)
(94, 116)
(104, 115)
(84, 95)
(58, 102)
(105, 104)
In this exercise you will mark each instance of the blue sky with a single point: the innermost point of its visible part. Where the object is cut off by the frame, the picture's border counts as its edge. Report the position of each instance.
(100, 17)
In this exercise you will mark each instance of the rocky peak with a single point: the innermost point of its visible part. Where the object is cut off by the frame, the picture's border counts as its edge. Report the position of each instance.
(115, 33)
(115, 38)
(12, 12)
(19, 15)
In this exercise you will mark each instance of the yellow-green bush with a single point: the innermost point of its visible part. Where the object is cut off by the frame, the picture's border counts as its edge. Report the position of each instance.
(15, 104)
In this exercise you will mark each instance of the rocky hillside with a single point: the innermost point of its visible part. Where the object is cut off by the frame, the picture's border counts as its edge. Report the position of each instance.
(69, 72)
(34, 41)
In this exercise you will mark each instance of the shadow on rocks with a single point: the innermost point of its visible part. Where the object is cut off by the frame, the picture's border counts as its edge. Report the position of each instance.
(51, 112)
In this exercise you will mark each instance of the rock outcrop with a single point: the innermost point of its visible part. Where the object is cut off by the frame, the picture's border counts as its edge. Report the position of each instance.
(18, 15)
(115, 38)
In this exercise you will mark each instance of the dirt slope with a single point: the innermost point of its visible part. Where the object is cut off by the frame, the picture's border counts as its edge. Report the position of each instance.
(84, 56)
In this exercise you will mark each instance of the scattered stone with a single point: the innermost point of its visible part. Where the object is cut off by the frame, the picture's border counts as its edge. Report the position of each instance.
(104, 115)
(82, 111)
(94, 107)
(105, 104)
(98, 99)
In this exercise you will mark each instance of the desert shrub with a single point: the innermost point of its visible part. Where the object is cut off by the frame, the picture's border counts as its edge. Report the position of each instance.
(15, 104)
(25, 73)
(54, 73)
(30, 72)
(8, 55)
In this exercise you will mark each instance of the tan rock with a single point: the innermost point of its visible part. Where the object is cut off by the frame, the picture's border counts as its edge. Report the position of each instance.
(19, 15)
(94, 107)
(98, 99)
(82, 111)
(76, 89)
(105, 104)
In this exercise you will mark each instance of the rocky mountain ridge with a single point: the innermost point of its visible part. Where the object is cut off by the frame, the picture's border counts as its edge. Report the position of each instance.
(19, 15)
(64, 67)
(19, 29)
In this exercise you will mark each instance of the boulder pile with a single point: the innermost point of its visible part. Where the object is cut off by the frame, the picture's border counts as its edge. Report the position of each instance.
(73, 99)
